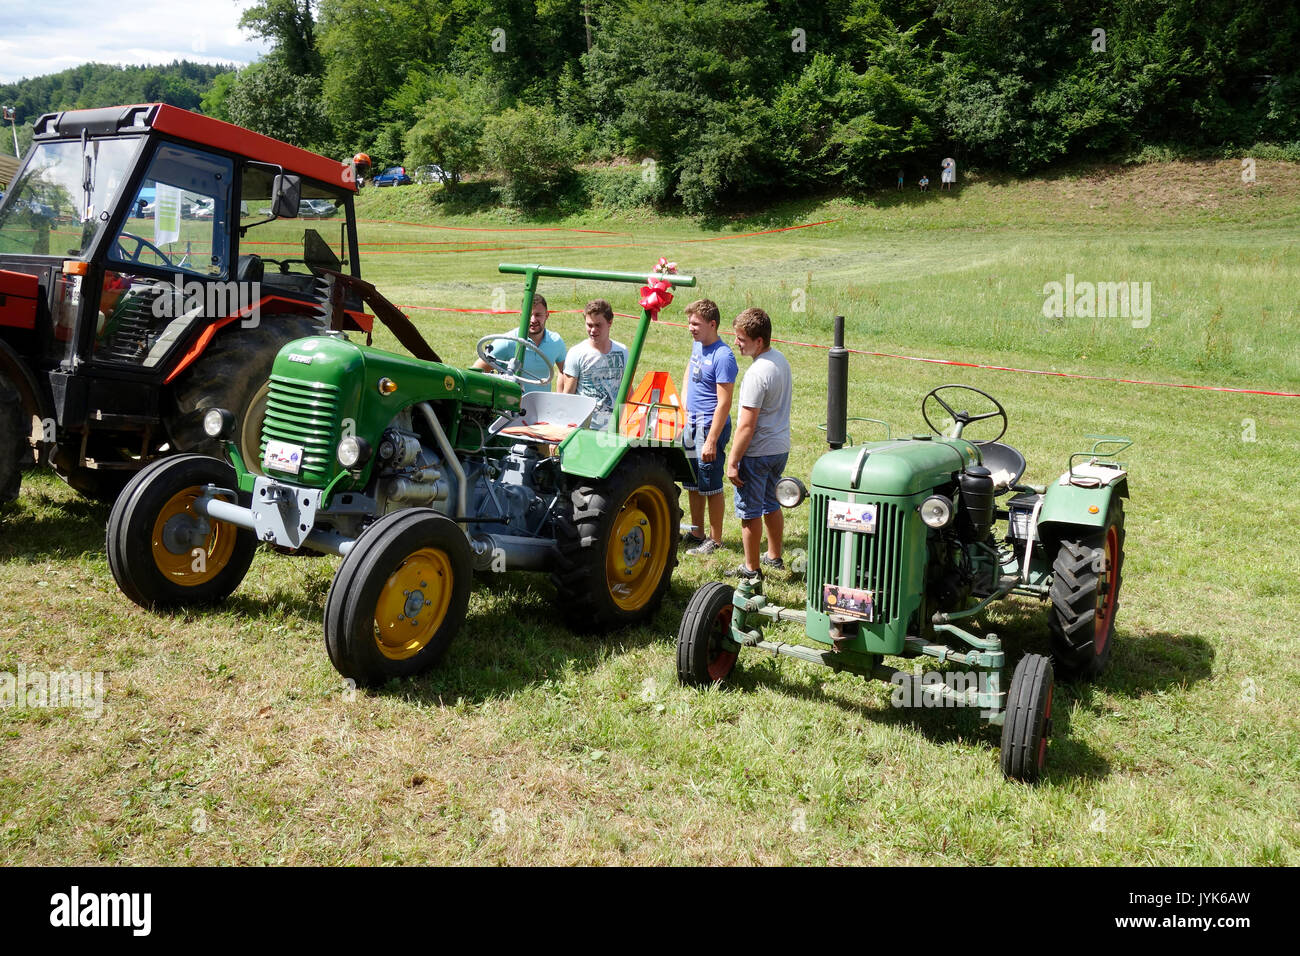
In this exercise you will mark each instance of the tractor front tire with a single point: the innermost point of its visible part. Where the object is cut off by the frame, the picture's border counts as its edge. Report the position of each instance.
(1086, 579)
(13, 440)
(164, 554)
(232, 374)
(1028, 719)
(617, 542)
(705, 653)
(399, 597)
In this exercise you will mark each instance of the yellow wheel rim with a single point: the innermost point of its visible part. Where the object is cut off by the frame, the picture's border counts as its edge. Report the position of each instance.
(637, 551)
(413, 604)
(250, 430)
(178, 553)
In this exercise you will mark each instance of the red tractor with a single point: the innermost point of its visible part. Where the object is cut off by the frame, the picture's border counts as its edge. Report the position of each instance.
(150, 268)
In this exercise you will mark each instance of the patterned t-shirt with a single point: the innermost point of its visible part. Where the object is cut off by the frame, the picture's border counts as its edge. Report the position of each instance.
(598, 375)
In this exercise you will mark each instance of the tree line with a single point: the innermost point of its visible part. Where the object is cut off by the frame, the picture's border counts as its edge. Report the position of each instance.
(728, 100)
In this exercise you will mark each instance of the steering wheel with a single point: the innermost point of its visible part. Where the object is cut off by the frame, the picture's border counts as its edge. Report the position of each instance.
(504, 367)
(283, 263)
(141, 244)
(963, 417)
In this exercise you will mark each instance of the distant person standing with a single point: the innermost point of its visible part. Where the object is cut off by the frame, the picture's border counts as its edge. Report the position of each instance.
(924, 184)
(762, 443)
(900, 180)
(949, 175)
(710, 379)
(595, 367)
(552, 346)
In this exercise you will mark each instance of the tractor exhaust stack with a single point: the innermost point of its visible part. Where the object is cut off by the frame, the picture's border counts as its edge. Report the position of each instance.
(837, 394)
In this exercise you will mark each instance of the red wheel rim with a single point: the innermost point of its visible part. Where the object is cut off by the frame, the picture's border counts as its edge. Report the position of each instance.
(1106, 593)
(720, 661)
(1042, 741)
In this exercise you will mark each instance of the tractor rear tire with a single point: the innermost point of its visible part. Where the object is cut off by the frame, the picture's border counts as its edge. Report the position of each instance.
(13, 440)
(617, 542)
(232, 374)
(1028, 720)
(1086, 578)
(376, 624)
(151, 529)
(704, 653)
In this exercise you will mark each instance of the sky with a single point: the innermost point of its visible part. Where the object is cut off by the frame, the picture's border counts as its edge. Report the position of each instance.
(46, 36)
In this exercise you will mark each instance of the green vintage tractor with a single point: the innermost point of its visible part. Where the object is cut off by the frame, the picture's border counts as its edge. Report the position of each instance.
(419, 474)
(910, 539)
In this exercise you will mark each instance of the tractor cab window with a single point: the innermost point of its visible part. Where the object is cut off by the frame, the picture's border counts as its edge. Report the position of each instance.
(284, 252)
(178, 220)
(66, 190)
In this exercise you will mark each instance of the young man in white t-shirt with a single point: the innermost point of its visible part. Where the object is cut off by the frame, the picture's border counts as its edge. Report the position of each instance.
(595, 367)
(762, 444)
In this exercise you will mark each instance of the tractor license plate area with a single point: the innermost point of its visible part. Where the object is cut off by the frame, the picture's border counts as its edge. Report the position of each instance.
(851, 516)
(284, 515)
(851, 602)
(282, 456)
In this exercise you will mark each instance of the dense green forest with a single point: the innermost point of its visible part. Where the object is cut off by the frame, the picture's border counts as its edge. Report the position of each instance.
(96, 84)
(722, 100)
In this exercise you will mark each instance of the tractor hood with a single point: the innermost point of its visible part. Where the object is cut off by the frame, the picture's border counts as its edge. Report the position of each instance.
(903, 466)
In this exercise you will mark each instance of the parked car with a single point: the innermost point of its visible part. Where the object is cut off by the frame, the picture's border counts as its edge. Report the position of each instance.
(316, 208)
(430, 174)
(392, 176)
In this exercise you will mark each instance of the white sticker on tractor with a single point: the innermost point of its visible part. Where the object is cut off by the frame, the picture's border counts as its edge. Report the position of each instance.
(851, 516)
(282, 457)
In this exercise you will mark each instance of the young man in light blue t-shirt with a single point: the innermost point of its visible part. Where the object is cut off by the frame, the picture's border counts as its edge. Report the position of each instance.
(549, 342)
(710, 379)
(595, 367)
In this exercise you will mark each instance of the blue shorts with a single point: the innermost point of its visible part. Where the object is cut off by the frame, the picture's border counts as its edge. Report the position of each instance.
(708, 474)
(757, 495)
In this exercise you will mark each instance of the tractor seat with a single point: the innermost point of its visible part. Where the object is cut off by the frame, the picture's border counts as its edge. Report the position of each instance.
(1004, 462)
(249, 269)
(545, 417)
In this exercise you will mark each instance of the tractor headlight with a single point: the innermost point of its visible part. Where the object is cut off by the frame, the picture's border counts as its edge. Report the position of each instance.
(218, 423)
(790, 492)
(353, 452)
(936, 511)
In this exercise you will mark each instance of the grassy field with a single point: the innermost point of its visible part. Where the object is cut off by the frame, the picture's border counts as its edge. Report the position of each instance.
(227, 737)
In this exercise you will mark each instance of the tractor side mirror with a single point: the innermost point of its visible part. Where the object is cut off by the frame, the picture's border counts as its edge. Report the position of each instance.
(286, 192)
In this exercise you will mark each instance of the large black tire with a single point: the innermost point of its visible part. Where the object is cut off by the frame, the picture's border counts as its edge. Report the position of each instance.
(13, 440)
(232, 374)
(375, 622)
(1086, 578)
(153, 559)
(617, 542)
(1028, 720)
(704, 653)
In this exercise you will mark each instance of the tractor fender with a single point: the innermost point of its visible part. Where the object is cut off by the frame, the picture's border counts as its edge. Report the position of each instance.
(1070, 506)
(36, 400)
(587, 453)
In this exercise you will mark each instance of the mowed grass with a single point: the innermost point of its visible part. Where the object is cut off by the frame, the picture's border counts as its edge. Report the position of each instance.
(227, 737)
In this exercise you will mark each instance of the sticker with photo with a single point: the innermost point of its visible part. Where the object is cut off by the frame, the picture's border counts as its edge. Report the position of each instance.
(851, 516)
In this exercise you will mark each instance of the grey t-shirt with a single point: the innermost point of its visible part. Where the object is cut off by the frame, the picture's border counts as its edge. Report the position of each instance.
(768, 386)
(598, 375)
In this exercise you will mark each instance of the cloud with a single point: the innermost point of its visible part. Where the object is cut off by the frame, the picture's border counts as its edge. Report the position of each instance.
(53, 35)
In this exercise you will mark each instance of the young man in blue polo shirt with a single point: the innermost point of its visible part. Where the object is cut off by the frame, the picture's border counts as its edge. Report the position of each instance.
(762, 444)
(549, 342)
(710, 378)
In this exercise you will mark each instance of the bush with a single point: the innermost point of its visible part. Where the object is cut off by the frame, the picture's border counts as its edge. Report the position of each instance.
(533, 150)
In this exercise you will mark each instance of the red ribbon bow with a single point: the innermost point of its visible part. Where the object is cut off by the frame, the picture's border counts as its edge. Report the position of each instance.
(656, 293)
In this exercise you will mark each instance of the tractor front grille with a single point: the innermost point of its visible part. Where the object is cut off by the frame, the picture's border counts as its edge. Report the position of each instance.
(877, 559)
(306, 415)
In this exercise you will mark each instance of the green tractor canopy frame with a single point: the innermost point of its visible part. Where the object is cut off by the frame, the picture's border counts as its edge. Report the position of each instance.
(903, 557)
